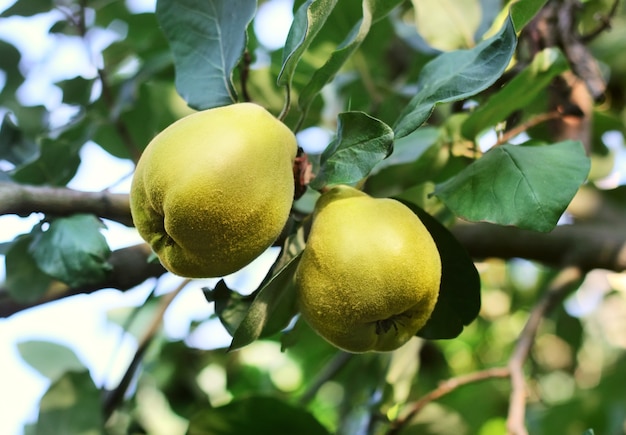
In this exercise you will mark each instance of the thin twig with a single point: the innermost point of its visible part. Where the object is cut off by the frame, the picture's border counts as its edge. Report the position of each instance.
(563, 283)
(107, 94)
(115, 397)
(535, 120)
(605, 23)
(444, 388)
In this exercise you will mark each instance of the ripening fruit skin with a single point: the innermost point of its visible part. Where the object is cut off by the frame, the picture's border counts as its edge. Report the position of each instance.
(369, 275)
(213, 190)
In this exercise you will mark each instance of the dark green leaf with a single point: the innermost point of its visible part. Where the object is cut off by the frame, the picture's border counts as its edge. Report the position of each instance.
(141, 98)
(27, 8)
(361, 143)
(459, 293)
(72, 250)
(307, 22)
(207, 38)
(15, 147)
(272, 309)
(524, 186)
(517, 93)
(76, 91)
(25, 282)
(255, 415)
(9, 63)
(50, 359)
(58, 158)
(71, 406)
(372, 10)
(230, 306)
(522, 11)
(456, 75)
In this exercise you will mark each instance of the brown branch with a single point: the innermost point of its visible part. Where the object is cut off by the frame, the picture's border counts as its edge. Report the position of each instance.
(129, 269)
(566, 281)
(116, 396)
(536, 120)
(446, 387)
(588, 246)
(23, 200)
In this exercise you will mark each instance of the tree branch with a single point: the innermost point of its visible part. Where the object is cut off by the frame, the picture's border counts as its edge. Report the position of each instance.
(114, 397)
(586, 246)
(23, 200)
(566, 281)
(130, 267)
(446, 387)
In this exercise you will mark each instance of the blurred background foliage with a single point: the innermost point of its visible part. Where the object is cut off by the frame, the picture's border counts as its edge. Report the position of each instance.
(576, 370)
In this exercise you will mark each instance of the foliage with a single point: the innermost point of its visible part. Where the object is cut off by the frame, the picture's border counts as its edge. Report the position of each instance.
(462, 110)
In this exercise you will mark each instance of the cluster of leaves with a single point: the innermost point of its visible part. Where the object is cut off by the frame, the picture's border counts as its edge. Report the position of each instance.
(402, 136)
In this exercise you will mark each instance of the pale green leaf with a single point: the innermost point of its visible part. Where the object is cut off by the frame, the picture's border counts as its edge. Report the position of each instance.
(307, 22)
(459, 74)
(71, 406)
(372, 10)
(525, 186)
(50, 359)
(447, 24)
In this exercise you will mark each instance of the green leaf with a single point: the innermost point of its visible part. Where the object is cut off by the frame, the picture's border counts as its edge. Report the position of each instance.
(15, 147)
(361, 143)
(72, 250)
(372, 10)
(525, 186)
(307, 22)
(459, 294)
(9, 63)
(50, 359)
(71, 405)
(207, 39)
(255, 415)
(25, 282)
(230, 307)
(272, 309)
(28, 8)
(518, 93)
(447, 24)
(76, 91)
(456, 75)
(522, 11)
(409, 149)
(56, 165)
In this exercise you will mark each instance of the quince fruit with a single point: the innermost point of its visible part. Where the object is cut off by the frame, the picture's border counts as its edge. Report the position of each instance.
(369, 276)
(213, 190)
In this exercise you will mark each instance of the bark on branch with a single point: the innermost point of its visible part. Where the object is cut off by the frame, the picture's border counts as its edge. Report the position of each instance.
(587, 246)
(23, 200)
(130, 267)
